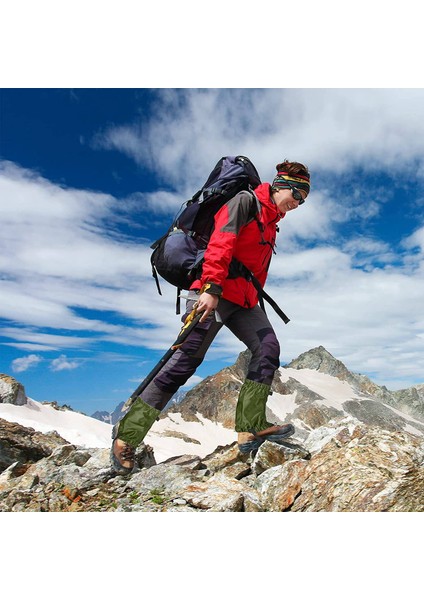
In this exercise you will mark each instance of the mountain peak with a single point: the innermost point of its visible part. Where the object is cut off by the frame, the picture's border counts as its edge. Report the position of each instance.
(321, 360)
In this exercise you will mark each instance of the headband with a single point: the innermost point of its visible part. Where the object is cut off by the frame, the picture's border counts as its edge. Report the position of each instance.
(282, 179)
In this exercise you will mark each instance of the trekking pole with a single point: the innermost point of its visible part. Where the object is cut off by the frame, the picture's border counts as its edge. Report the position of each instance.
(189, 324)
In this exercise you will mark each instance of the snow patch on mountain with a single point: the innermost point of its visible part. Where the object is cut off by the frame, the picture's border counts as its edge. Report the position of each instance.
(75, 427)
(87, 432)
(282, 404)
(208, 434)
(333, 391)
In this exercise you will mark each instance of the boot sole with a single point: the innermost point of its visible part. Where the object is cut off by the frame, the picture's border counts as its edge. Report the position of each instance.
(255, 444)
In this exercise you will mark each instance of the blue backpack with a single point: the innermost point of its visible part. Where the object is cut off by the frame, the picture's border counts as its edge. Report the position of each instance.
(178, 255)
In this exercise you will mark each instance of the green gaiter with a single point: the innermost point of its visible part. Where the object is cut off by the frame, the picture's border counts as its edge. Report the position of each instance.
(135, 425)
(250, 410)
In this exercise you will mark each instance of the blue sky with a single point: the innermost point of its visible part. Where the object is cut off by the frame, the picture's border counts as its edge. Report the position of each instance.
(89, 178)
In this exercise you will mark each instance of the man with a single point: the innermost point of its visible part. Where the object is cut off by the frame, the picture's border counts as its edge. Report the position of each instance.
(241, 233)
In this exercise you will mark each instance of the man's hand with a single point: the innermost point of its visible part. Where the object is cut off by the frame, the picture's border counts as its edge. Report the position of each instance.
(206, 303)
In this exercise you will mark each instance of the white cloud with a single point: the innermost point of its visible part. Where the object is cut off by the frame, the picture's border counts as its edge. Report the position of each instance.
(329, 300)
(316, 263)
(372, 321)
(313, 221)
(30, 347)
(162, 202)
(61, 232)
(43, 340)
(328, 129)
(63, 364)
(58, 258)
(368, 252)
(19, 365)
(63, 263)
(416, 240)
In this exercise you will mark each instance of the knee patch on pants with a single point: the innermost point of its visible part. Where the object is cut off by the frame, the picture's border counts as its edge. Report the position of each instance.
(265, 357)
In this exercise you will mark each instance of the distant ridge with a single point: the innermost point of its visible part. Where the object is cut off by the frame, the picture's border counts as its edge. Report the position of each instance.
(215, 397)
(313, 391)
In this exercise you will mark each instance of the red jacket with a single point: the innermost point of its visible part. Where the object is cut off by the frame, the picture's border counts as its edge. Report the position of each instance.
(237, 235)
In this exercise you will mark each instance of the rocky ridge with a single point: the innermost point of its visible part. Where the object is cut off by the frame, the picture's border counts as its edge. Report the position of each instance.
(352, 451)
(216, 396)
(409, 400)
(348, 467)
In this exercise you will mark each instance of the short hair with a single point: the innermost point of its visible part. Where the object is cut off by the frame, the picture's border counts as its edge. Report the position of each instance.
(293, 168)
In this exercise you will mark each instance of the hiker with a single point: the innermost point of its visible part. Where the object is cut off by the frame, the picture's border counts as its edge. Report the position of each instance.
(225, 299)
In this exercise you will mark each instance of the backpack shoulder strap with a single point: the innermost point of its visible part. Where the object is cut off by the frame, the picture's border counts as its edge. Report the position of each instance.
(250, 203)
(255, 205)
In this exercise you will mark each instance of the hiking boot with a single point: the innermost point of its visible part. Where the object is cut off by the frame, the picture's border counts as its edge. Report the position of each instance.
(248, 442)
(122, 457)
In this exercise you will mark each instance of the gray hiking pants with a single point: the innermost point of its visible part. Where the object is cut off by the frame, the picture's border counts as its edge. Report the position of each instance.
(250, 325)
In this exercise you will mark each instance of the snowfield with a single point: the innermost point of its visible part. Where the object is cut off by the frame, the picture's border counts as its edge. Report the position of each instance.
(85, 431)
(172, 435)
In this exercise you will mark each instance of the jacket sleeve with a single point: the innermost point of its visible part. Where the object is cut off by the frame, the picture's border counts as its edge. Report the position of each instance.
(229, 220)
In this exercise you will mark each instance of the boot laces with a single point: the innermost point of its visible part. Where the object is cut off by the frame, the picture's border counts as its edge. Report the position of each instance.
(127, 453)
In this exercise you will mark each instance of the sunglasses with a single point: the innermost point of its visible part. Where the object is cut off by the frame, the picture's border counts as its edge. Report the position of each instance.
(296, 194)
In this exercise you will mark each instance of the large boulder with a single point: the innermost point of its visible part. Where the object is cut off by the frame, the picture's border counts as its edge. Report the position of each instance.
(11, 391)
(24, 444)
(364, 469)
